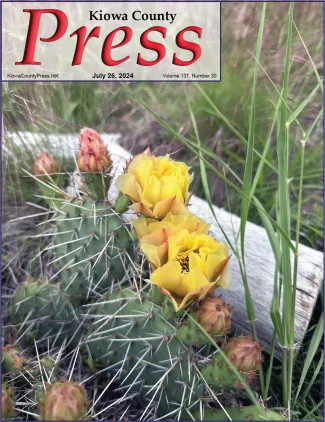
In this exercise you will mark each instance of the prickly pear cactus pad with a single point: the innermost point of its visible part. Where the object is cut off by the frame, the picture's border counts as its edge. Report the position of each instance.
(131, 338)
(43, 313)
(93, 247)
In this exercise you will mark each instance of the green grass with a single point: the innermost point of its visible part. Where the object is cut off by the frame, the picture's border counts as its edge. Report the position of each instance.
(255, 139)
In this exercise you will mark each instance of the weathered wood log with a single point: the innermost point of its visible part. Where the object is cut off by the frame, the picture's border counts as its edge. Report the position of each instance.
(259, 258)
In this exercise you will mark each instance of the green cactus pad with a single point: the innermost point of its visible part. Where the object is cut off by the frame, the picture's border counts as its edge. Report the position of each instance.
(190, 333)
(93, 247)
(96, 185)
(249, 413)
(221, 377)
(41, 311)
(130, 338)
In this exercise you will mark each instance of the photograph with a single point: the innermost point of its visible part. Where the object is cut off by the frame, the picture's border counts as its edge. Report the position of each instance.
(162, 211)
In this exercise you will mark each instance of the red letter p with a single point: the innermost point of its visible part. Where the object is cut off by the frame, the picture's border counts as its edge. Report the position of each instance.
(34, 21)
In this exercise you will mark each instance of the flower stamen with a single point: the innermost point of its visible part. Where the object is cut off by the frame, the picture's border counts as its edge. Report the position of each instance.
(184, 261)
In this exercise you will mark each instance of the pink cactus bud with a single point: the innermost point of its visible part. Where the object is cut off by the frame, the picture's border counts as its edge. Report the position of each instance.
(214, 315)
(63, 401)
(244, 353)
(45, 164)
(93, 155)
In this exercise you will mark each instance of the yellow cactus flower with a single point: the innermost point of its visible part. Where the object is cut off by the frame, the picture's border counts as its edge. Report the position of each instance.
(156, 185)
(154, 234)
(187, 266)
(146, 226)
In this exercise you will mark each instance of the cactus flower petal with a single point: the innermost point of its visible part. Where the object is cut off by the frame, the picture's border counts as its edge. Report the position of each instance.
(128, 184)
(172, 224)
(156, 185)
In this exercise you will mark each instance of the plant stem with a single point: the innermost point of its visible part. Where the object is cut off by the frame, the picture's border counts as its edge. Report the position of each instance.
(269, 371)
(295, 275)
(284, 212)
(285, 378)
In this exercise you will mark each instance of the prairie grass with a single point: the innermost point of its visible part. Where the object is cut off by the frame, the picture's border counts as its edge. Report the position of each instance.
(255, 139)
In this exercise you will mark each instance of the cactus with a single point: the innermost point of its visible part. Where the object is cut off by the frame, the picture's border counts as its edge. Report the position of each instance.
(12, 360)
(246, 357)
(148, 354)
(63, 400)
(131, 336)
(152, 351)
(45, 164)
(7, 403)
(43, 312)
(93, 245)
(242, 413)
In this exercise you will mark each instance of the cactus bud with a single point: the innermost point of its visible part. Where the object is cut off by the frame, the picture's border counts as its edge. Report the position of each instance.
(7, 404)
(214, 316)
(45, 164)
(93, 155)
(46, 168)
(63, 401)
(12, 359)
(244, 353)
